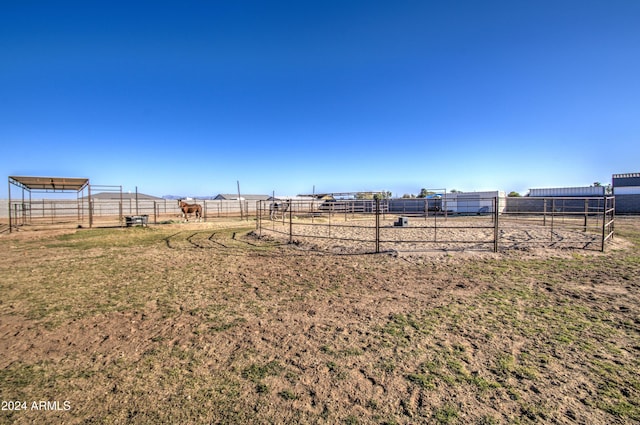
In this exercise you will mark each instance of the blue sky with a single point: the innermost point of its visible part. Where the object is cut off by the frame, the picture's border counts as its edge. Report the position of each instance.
(190, 97)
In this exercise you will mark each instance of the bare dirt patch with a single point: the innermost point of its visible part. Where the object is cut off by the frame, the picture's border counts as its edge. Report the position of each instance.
(424, 235)
(206, 323)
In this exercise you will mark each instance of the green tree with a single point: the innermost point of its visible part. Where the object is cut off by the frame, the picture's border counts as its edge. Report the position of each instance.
(364, 195)
(513, 194)
(424, 193)
(383, 195)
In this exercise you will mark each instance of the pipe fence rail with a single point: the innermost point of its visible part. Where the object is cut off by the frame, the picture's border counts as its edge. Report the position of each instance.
(589, 216)
(374, 225)
(488, 224)
(112, 212)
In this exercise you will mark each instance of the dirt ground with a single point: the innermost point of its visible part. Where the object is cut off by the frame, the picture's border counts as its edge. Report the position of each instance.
(208, 323)
(438, 234)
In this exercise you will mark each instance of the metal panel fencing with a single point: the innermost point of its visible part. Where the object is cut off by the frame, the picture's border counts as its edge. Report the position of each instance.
(112, 212)
(59, 211)
(160, 210)
(562, 222)
(476, 223)
(373, 226)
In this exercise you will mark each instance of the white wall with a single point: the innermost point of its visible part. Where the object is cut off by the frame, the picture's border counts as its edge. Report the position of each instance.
(472, 202)
(627, 190)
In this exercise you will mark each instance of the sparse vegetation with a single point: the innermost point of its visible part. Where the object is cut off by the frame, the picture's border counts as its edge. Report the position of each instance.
(203, 323)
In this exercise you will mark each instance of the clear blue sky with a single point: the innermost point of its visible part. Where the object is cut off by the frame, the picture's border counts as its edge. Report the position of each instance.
(189, 97)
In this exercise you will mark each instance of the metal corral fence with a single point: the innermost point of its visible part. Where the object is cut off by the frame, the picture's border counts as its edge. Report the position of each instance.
(593, 217)
(168, 209)
(406, 225)
(111, 212)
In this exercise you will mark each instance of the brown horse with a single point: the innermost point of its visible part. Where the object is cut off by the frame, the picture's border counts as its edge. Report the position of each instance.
(190, 208)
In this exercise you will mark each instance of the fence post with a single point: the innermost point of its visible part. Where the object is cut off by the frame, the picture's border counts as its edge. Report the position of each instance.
(330, 214)
(313, 208)
(496, 226)
(91, 211)
(553, 210)
(377, 225)
(290, 222)
(604, 225)
(259, 217)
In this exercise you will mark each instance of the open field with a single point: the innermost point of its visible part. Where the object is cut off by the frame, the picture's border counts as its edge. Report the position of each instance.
(206, 323)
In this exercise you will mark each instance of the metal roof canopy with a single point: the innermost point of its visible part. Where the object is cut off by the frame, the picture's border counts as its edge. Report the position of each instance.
(48, 185)
(54, 184)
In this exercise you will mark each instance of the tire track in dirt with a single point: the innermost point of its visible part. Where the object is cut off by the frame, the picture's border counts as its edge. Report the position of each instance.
(212, 239)
(168, 240)
(193, 240)
(200, 240)
(230, 242)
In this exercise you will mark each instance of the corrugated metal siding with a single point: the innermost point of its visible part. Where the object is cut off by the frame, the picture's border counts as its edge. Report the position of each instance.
(628, 204)
(568, 191)
(412, 205)
(570, 204)
(626, 180)
(468, 203)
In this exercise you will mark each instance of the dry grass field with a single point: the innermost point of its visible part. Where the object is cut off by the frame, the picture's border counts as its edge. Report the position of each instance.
(206, 323)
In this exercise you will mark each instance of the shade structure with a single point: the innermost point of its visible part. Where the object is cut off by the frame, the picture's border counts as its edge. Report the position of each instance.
(22, 210)
(74, 184)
